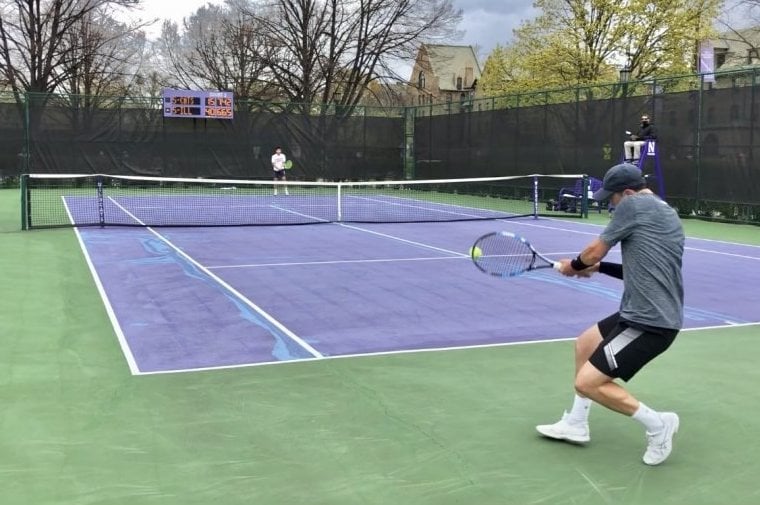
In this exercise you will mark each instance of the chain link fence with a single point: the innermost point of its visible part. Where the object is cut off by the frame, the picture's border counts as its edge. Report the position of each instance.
(708, 138)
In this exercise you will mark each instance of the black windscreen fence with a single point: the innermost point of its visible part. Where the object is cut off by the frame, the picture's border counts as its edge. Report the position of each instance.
(11, 142)
(129, 138)
(708, 144)
(708, 167)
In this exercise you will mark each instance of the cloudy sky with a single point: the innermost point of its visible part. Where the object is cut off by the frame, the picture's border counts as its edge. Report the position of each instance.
(490, 22)
(485, 22)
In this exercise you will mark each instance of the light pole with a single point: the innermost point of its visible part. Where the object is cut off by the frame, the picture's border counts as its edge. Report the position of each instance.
(625, 75)
(625, 72)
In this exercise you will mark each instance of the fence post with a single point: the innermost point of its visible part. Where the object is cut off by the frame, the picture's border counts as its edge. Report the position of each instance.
(576, 133)
(698, 142)
(752, 117)
(409, 126)
(26, 149)
(24, 184)
(584, 196)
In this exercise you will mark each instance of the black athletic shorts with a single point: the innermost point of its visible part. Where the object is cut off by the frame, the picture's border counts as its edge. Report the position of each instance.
(279, 174)
(626, 347)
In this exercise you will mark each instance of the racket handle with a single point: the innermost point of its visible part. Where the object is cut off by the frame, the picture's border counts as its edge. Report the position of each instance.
(557, 265)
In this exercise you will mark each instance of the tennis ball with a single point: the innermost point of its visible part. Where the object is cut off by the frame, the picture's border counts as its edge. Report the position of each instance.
(475, 252)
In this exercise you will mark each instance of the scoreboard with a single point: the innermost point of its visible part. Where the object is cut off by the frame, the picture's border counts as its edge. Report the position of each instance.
(197, 104)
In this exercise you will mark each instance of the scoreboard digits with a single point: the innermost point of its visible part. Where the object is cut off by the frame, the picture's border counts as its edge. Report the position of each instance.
(197, 104)
(219, 107)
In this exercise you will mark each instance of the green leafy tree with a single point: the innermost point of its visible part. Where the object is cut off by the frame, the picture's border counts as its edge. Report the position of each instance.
(584, 42)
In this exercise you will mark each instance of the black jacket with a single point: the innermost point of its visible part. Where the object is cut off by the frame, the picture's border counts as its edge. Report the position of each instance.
(648, 132)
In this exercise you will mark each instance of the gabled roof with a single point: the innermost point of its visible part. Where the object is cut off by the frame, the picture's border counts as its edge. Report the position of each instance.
(736, 46)
(449, 62)
(739, 39)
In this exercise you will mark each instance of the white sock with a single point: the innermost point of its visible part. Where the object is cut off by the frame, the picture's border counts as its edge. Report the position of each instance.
(579, 413)
(649, 418)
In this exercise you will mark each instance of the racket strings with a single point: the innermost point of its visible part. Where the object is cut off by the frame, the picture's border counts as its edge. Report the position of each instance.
(505, 255)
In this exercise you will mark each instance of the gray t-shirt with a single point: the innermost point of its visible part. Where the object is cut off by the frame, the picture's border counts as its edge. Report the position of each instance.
(651, 238)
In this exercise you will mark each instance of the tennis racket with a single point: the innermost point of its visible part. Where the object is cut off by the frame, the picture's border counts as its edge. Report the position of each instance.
(287, 165)
(504, 254)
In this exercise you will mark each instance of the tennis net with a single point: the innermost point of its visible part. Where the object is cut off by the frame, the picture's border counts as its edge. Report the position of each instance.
(52, 200)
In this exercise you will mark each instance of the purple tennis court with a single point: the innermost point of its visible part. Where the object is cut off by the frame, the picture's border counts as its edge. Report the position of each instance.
(185, 299)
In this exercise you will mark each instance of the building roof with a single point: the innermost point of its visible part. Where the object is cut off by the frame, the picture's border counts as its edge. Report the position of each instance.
(739, 39)
(450, 62)
(739, 48)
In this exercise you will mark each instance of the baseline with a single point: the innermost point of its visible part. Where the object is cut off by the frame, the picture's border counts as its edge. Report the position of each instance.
(416, 351)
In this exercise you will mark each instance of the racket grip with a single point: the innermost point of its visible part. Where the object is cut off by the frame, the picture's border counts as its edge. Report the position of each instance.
(557, 265)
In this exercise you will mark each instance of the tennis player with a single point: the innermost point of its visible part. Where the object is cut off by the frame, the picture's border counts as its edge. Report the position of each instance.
(651, 311)
(278, 167)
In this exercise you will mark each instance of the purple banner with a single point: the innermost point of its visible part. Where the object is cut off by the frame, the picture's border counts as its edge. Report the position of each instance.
(707, 60)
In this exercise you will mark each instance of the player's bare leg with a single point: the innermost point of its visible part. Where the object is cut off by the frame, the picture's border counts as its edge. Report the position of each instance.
(660, 426)
(573, 427)
(585, 345)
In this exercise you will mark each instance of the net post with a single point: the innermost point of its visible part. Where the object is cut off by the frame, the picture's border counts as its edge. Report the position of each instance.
(340, 210)
(25, 214)
(584, 197)
(101, 210)
(535, 197)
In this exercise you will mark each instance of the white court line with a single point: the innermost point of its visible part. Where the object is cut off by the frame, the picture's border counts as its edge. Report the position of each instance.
(446, 204)
(603, 226)
(546, 227)
(224, 284)
(392, 237)
(299, 214)
(722, 326)
(410, 351)
(744, 256)
(726, 242)
(721, 253)
(125, 349)
(340, 262)
(427, 208)
(334, 262)
(195, 207)
(687, 248)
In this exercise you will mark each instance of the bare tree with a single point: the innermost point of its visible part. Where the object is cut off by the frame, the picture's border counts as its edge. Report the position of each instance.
(218, 47)
(750, 7)
(36, 49)
(329, 51)
(102, 56)
(101, 63)
(740, 22)
(301, 51)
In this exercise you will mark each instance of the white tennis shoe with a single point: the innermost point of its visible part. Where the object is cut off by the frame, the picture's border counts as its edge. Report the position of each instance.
(660, 444)
(565, 430)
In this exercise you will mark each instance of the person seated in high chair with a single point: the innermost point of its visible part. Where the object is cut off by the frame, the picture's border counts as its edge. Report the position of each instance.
(632, 147)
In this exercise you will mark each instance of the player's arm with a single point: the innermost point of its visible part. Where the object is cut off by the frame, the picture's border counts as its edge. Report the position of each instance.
(587, 261)
(594, 252)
